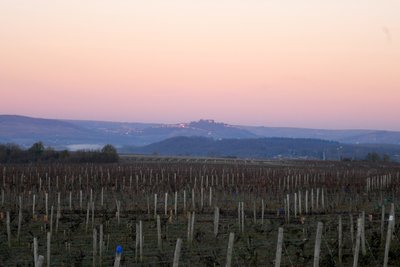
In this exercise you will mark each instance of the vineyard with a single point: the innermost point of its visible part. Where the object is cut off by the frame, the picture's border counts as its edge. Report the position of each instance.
(170, 212)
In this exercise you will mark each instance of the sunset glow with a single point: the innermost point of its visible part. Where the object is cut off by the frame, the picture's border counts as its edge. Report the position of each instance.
(319, 64)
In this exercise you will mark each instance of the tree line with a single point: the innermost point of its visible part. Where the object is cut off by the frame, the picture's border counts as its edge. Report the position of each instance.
(375, 157)
(12, 153)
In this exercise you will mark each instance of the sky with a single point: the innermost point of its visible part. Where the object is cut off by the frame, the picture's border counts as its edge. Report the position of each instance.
(331, 64)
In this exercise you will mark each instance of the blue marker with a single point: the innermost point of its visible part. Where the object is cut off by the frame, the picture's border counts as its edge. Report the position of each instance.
(119, 249)
(118, 256)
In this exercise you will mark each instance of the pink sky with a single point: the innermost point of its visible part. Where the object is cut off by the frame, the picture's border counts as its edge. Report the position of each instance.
(321, 64)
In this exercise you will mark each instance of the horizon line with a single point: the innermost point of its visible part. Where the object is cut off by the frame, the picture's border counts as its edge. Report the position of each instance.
(203, 119)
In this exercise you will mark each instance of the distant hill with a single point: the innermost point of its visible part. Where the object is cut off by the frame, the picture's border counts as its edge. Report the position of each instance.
(26, 130)
(299, 148)
(345, 136)
(75, 134)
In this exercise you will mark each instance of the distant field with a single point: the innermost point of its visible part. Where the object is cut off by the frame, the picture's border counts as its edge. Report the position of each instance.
(185, 159)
